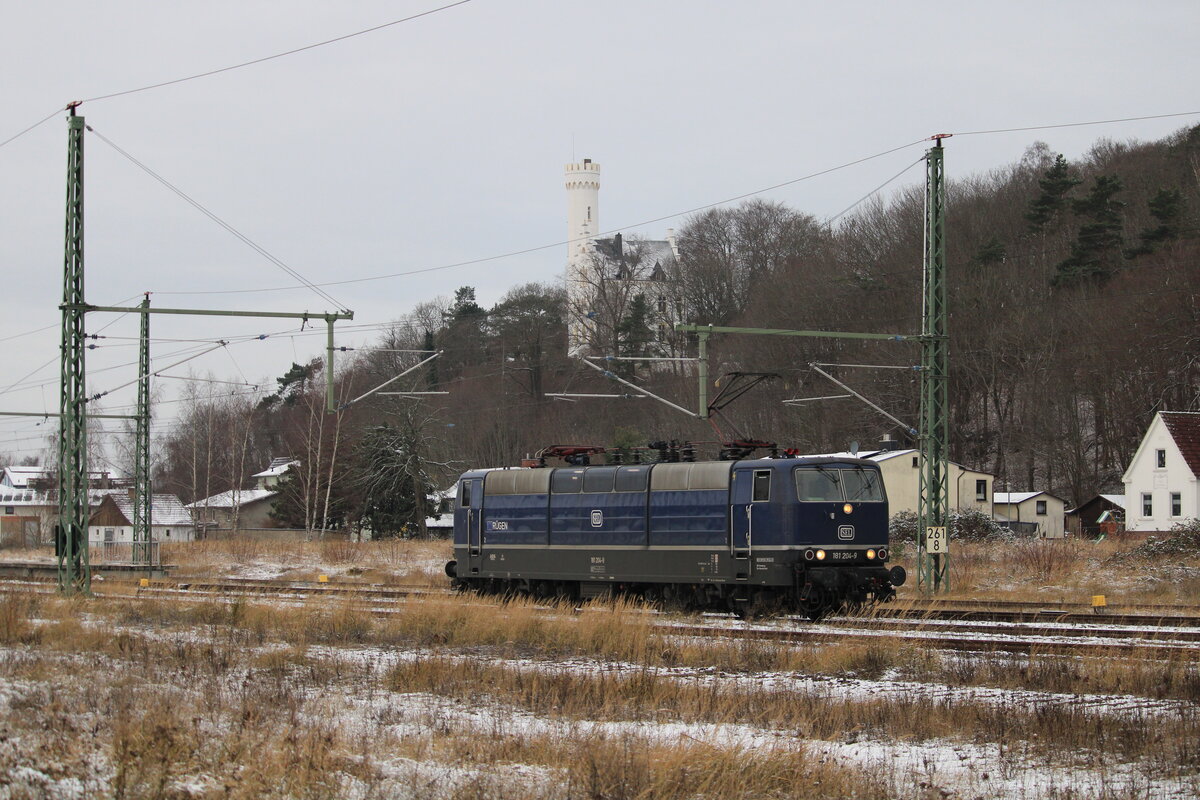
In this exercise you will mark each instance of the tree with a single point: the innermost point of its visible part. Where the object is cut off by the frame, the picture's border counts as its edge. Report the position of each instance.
(395, 478)
(1047, 206)
(1167, 207)
(526, 322)
(1097, 249)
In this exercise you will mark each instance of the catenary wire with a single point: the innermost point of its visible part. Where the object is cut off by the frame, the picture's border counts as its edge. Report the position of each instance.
(305, 282)
(567, 242)
(263, 59)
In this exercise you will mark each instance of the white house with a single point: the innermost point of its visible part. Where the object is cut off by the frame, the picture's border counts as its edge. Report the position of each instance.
(112, 522)
(1040, 508)
(1161, 483)
(967, 489)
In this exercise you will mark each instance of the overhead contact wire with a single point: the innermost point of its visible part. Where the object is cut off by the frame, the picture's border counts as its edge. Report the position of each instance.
(285, 53)
(229, 228)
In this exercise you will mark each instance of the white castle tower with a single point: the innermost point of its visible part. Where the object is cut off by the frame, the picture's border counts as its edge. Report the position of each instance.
(583, 223)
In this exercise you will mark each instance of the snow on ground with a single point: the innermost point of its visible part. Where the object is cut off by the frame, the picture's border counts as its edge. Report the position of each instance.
(957, 768)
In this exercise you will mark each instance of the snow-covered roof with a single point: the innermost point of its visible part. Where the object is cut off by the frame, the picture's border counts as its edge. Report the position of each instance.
(1013, 498)
(21, 497)
(19, 477)
(234, 497)
(277, 468)
(165, 509)
(1115, 499)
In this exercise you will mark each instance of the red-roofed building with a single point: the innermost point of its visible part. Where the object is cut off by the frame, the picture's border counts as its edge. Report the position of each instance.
(1162, 483)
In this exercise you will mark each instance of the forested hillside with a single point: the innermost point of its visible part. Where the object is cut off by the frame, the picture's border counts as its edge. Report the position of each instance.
(1074, 317)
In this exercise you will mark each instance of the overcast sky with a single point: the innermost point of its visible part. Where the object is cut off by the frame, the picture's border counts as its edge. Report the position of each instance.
(443, 140)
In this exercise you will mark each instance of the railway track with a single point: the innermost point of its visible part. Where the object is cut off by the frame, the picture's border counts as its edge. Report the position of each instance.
(1027, 630)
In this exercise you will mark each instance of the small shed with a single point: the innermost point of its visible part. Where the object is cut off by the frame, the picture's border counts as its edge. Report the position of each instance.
(1103, 514)
(1042, 509)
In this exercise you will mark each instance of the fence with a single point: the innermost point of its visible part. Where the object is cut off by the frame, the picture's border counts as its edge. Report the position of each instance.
(124, 553)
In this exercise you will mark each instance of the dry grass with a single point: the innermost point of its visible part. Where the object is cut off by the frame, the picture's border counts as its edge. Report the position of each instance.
(389, 561)
(1069, 570)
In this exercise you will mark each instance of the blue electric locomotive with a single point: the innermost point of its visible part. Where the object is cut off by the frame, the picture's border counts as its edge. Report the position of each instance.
(806, 534)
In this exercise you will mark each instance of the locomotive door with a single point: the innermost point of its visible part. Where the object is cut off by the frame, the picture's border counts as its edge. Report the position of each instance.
(473, 495)
(751, 490)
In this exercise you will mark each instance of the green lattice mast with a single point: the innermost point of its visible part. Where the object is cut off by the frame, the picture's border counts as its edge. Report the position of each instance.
(74, 574)
(142, 552)
(933, 557)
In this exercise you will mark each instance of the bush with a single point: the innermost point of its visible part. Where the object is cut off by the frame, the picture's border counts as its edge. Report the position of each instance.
(1184, 540)
(970, 525)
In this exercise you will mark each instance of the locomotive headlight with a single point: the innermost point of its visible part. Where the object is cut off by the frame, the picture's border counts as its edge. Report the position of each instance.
(820, 555)
(849, 509)
(870, 554)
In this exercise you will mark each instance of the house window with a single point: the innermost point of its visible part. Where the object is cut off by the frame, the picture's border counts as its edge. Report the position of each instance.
(981, 490)
(109, 534)
(662, 305)
(1160, 459)
(1041, 508)
(915, 465)
(168, 532)
(1147, 505)
(10, 510)
(1176, 504)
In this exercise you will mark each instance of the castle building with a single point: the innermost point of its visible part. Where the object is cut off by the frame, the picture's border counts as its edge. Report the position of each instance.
(606, 276)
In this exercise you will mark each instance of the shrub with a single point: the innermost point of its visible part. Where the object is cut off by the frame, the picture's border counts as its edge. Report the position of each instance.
(1183, 540)
(969, 525)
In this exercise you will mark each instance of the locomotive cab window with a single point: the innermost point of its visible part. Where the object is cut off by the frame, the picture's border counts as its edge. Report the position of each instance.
(862, 485)
(762, 486)
(818, 485)
(464, 494)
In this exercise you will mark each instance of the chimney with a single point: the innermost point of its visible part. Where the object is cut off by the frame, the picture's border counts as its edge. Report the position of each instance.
(618, 247)
(888, 444)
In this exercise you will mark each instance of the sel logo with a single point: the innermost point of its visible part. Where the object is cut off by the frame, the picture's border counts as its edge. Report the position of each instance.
(597, 518)
(846, 532)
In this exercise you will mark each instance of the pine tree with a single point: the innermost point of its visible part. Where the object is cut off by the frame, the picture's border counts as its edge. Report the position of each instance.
(990, 252)
(1096, 249)
(1053, 200)
(1167, 207)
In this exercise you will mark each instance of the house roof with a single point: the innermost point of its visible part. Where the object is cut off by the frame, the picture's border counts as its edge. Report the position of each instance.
(885, 455)
(1184, 427)
(165, 509)
(234, 497)
(1115, 499)
(1015, 498)
(277, 468)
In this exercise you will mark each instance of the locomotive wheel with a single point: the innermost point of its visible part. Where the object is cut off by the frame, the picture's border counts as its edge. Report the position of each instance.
(816, 605)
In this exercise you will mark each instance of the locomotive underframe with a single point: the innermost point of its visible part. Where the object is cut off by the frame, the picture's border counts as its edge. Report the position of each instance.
(699, 578)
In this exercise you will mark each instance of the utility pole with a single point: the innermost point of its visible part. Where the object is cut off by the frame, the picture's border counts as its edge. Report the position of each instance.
(70, 535)
(933, 532)
(142, 498)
